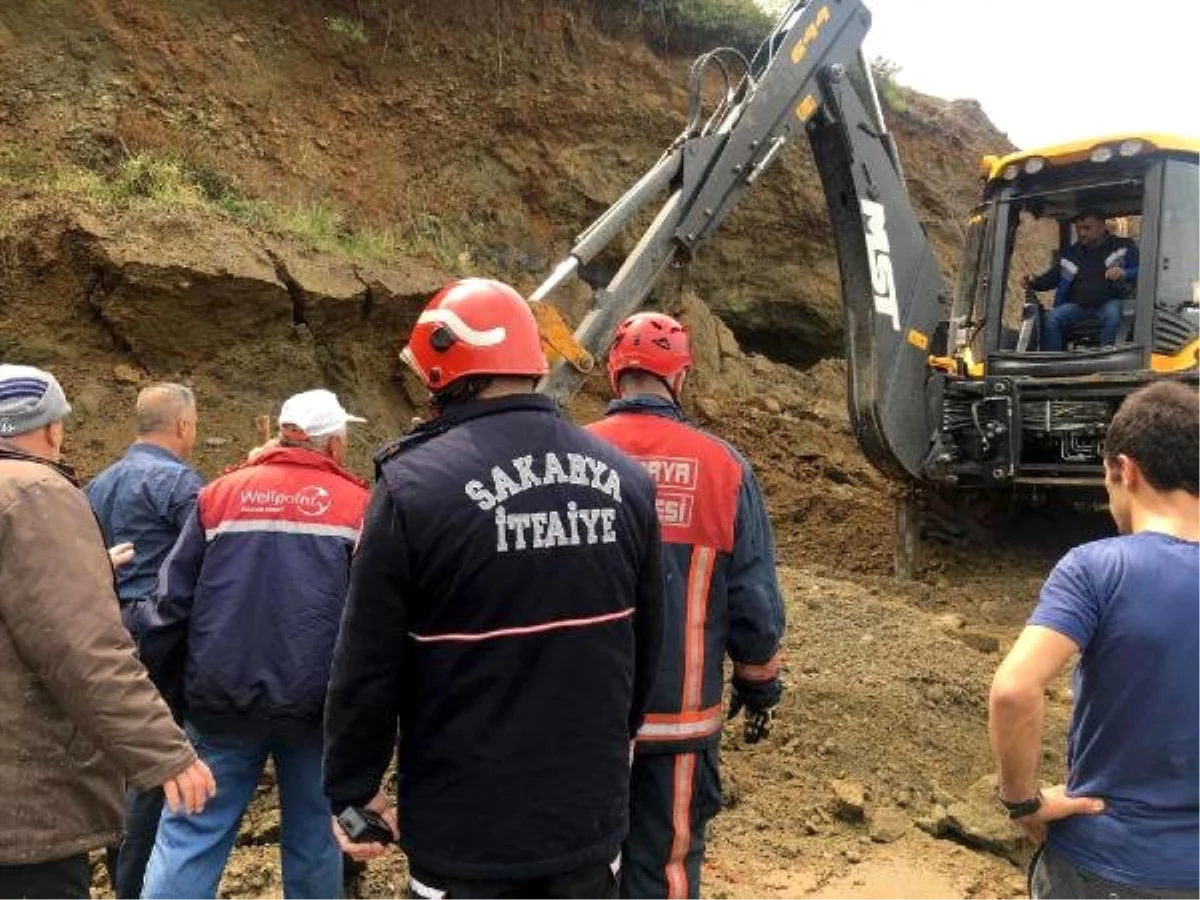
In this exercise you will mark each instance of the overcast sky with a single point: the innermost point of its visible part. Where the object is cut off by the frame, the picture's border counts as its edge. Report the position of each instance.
(1049, 71)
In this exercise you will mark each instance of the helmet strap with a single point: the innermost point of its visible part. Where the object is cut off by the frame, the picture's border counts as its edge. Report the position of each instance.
(675, 384)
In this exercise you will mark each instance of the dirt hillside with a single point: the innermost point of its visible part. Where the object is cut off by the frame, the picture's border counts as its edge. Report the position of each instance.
(257, 197)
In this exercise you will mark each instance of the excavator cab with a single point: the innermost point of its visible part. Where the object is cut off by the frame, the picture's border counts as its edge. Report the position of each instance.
(1012, 412)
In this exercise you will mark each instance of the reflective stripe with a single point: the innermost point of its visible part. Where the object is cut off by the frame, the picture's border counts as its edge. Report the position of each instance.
(699, 578)
(681, 822)
(420, 889)
(527, 629)
(760, 671)
(280, 526)
(1069, 267)
(679, 726)
(1115, 257)
(461, 329)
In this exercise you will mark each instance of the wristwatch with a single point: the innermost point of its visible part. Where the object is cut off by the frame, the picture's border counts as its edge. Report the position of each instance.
(1021, 808)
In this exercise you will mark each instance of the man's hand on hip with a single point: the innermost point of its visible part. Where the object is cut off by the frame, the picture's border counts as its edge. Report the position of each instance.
(191, 789)
(1056, 805)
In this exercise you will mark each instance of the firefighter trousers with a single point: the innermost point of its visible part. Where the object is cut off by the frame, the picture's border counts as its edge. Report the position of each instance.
(672, 798)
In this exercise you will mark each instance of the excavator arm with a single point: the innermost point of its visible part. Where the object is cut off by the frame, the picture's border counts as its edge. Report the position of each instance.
(798, 83)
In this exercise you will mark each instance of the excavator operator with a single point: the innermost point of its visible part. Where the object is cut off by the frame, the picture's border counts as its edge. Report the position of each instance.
(1091, 281)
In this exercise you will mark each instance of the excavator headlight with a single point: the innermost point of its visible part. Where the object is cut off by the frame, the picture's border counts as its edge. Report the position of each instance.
(1131, 147)
(1101, 154)
(1010, 173)
(1034, 164)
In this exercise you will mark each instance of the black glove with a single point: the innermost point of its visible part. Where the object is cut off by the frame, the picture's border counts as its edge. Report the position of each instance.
(759, 699)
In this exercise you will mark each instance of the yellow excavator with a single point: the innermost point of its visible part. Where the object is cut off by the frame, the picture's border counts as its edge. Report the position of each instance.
(948, 392)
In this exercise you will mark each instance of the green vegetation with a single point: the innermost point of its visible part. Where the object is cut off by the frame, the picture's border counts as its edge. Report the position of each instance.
(172, 183)
(884, 73)
(698, 24)
(351, 29)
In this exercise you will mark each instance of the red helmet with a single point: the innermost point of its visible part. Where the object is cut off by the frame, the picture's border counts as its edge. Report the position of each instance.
(475, 326)
(651, 342)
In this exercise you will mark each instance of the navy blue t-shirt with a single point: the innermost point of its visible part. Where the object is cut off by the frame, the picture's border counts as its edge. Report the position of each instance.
(1130, 603)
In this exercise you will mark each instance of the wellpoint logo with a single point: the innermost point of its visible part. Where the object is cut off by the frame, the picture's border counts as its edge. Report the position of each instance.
(311, 500)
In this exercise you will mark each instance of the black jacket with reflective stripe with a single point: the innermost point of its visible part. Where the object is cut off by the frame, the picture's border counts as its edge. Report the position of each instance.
(505, 613)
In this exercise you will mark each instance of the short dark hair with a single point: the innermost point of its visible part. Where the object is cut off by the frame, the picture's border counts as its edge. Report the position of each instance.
(462, 390)
(1158, 426)
(1092, 212)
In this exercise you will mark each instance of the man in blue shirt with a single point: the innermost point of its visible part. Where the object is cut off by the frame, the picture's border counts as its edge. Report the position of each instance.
(144, 499)
(1126, 824)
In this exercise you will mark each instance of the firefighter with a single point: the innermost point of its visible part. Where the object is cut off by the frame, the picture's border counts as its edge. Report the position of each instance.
(504, 618)
(722, 598)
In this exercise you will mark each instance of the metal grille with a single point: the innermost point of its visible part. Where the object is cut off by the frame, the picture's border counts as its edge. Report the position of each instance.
(1059, 416)
(1174, 330)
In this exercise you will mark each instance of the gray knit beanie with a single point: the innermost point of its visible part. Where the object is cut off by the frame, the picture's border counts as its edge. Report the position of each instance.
(29, 400)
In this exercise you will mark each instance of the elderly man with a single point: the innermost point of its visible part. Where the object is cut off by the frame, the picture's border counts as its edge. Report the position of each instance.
(79, 713)
(143, 499)
(241, 635)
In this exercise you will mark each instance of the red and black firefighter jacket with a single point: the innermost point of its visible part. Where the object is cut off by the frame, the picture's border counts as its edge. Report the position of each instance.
(505, 616)
(722, 590)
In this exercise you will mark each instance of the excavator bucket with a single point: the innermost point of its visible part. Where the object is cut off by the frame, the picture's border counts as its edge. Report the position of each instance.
(558, 340)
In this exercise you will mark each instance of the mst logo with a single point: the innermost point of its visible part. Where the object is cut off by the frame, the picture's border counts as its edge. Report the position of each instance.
(883, 279)
(310, 500)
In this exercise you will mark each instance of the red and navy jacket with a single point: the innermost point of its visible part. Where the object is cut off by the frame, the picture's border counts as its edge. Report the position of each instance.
(505, 616)
(722, 591)
(246, 612)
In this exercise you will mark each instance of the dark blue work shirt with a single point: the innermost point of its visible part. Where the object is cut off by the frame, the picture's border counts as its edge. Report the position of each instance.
(144, 498)
(1130, 605)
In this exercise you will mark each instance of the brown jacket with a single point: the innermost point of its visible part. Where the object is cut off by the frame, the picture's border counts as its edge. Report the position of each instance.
(77, 711)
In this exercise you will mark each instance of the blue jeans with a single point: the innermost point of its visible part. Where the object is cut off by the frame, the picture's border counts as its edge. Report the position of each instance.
(191, 851)
(1060, 319)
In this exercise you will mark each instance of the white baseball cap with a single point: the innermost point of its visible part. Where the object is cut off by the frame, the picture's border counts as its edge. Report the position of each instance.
(315, 414)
